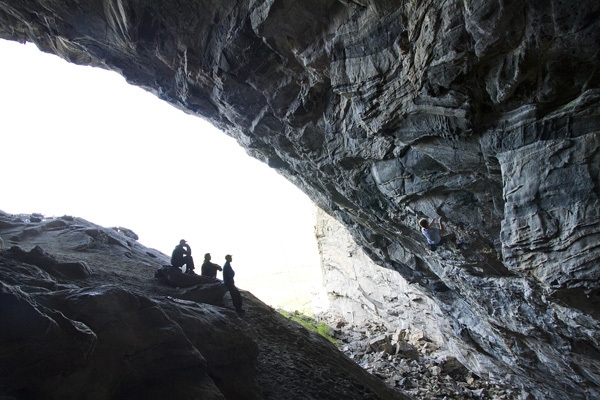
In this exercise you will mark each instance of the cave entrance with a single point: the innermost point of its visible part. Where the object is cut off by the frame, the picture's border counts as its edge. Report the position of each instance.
(80, 141)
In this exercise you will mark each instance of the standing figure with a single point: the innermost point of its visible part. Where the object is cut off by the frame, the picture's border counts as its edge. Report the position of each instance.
(228, 274)
(209, 268)
(182, 255)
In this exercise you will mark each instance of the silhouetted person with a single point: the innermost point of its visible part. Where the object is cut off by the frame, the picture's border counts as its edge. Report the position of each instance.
(182, 255)
(228, 274)
(209, 268)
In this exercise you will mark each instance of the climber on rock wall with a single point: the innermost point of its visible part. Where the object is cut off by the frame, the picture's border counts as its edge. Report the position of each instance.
(434, 235)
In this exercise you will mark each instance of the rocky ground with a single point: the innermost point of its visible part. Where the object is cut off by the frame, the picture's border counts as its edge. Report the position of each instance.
(408, 361)
(405, 360)
(83, 316)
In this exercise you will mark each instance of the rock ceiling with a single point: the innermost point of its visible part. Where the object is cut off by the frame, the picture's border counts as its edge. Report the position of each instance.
(485, 112)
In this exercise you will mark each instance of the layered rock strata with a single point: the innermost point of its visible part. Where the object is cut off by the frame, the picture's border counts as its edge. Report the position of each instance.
(393, 330)
(386, 111)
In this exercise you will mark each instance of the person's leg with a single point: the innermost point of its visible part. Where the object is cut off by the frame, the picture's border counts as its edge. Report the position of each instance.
(189, 265)
(236, 297)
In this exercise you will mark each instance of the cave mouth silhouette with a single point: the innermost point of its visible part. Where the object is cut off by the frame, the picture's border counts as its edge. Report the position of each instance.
(110, 153)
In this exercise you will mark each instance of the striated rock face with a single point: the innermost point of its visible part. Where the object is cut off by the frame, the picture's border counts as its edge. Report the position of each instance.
(360, 292)
(93, 322)
(387, 111)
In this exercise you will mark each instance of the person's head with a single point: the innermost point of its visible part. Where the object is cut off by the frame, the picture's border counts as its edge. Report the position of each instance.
(228, 257)
(182, 242)
(207, 257)
(424, 223)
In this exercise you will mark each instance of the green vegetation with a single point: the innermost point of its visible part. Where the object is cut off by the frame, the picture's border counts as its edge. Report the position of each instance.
(311, 324)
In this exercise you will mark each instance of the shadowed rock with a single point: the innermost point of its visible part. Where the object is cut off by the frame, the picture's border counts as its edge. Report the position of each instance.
(118, 332)
(202, 289)
(38, 257)
(384, 112)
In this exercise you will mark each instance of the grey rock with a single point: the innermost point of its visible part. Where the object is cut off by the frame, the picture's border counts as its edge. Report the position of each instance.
(406, 350)
(382, 111)
(197, 288)
(381, 343)
(38, 257)
(126, 232)
(116, 331)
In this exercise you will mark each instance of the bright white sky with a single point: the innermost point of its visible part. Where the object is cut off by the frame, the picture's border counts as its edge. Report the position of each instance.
(80, 141)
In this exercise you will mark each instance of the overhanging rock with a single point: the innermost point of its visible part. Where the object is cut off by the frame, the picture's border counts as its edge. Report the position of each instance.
(384, 112)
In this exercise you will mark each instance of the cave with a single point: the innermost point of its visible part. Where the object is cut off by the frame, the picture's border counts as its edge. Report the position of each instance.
(485, 113)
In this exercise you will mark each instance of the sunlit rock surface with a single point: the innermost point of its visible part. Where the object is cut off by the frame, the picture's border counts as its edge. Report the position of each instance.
(386, 111)
(361, 292)
(93, 322)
